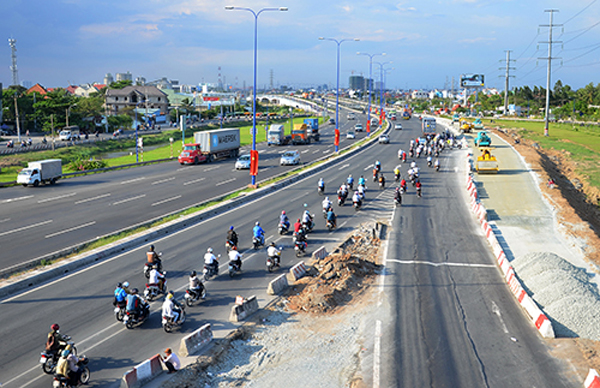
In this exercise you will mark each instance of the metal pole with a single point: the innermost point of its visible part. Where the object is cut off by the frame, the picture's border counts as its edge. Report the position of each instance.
(136, 136)
(546, 119)
(337, 91)
(254, 90)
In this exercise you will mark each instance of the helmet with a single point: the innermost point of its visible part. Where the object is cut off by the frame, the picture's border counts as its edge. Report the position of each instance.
(283, 213)
(134, 291)
(151, 247)
(119, 285)
(193, 273)
(272, 243)
(209, 250)
(257, 223)
(231, 227)
(68, 347)
(169, 295)
(65, 353)
(126, 284)
(55, 327)
(327, 198)
(298, 220)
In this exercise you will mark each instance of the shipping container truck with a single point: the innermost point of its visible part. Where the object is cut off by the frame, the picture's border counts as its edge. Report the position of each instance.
(211, 145)
(428, 126)
(313, 127)
(276, 135)
(300, 134)
(43, 171)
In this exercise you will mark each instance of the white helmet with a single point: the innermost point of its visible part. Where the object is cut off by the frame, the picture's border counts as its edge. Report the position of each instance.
(126, 284)
(209, 250)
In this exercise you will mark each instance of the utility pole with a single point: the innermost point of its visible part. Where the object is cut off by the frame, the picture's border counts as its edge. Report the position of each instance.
(507, 76)
(549, 58)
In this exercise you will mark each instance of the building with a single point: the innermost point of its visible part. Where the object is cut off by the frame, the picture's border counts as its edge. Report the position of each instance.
(123, 77)
(108, 79)
(356, 82)
(419, 95)
(142, 97)
(37, 88)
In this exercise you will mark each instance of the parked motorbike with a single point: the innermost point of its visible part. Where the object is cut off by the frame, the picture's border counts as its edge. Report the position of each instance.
(84, 378)
(49, 359)
(193, 295)
(153, 290)
(168, 324)
(131, 319)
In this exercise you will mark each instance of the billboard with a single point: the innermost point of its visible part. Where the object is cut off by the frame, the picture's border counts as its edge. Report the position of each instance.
(471, 80)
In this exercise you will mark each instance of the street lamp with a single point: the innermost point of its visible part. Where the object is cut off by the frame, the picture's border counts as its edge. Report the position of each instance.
(69, 112)
(337, 90)
(136, 133)
(370, 81)
(381, 70)
(255, 14)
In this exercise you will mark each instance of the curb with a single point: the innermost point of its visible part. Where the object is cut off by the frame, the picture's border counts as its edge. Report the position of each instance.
(59, 269)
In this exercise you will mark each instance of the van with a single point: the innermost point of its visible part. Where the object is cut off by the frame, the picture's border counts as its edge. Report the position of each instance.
(69, 133)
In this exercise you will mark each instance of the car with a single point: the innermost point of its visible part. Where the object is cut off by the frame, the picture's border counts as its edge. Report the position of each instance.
(332, 121)
(393, 117)
(351, 116)
(398, 126)
(350, 135)
(358, 127)
(384, 139)
(243, 162)
(290, 158)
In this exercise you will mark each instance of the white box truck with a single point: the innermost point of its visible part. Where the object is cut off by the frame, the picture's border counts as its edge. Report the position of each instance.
(69, 133)
(43, 171)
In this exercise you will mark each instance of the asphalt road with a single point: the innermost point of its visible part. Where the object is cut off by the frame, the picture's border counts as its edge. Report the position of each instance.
(446, 326)
(38, 221)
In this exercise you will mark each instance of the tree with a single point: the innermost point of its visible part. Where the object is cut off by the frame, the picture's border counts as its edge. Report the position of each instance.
(120, 84)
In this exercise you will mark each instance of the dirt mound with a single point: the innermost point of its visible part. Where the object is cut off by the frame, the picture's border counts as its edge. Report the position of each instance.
(337, 277)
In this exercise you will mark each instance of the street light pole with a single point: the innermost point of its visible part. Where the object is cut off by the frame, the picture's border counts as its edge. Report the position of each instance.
(255, 14)
(136, 134)
(370, 82)
(337, 89)
(381, 71)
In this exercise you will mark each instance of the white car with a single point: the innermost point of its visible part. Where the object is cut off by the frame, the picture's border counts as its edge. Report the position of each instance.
(350, 135)
(290, 158)
(384, 139)
(243, 162)
(398, 126)
(358, 128)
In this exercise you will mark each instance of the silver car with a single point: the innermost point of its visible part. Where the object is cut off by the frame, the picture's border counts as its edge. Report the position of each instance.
(290, 158)
(243, 162)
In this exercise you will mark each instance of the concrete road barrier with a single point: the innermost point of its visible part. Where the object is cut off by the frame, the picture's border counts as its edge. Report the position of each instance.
(196, 340)
(142, 373)
(298, 271)
(277, 285)
(239, 312)
(320, 253)
(592, 380)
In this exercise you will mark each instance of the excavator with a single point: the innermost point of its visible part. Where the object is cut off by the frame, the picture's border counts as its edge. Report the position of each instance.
(486, 163)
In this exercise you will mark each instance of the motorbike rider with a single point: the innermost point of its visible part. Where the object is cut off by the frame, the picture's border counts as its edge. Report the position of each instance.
(156, 278)
(356, 198)
(344, 189)
(377, 166)
(418, 185)
(382, 181)
(429, 159)
(321, 185)
(232, 236)
(326, 204)
(403, 184)
(259, 233)
(236, 258)
(307, 219)
(437, 164)
(125, 287)
(195, 283)
(397, 172)
(413, 164)
(73, 371)
(273, 252)
(134, 303)
(297, 226)
(170, 308)
(152, 256)
(53, 342)
(361, 191)
(361, 181)
(283, 219)
(331, 217)
(120, 296)
(398, 195)
(210, 260)
(350, 180)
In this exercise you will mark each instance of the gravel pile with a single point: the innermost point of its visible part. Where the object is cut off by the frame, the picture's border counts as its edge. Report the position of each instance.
(563, 291)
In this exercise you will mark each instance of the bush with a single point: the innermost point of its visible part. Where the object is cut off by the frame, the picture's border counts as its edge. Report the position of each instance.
(81, 164)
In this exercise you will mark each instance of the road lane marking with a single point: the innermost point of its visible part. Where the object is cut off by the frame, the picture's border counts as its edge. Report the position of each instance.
(344, 166)
(326, 151)
(166, 200)
(184, 168)
(163, 181)
(368, 167)
(194, 181)
(70, 229)
(473, 265)
(55, 198)
(377, 354)
(25, 227)
(93, 198)
(128, 199)
(227, 181)
(496, 310)
(315, 151)
(4, 220)
(133, 180)
(303, 152)
(16, 199)
(210, 168)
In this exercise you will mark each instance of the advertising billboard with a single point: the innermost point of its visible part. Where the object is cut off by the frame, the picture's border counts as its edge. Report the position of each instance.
(471, 80)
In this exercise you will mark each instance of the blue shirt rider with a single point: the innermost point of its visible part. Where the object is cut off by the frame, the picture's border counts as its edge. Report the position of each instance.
(361, 181)
(350, 180)
(331, 217)
(258, 232)
(284, 219)
(120, 294)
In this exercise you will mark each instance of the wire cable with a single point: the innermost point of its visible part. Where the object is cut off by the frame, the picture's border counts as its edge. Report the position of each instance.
(579, 13)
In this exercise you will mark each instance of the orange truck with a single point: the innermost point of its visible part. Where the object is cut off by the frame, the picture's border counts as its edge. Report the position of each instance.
(300, 134)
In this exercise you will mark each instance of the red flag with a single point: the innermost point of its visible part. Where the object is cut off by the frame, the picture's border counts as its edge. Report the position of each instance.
(254, 162)
(336, 142)
(369, 126)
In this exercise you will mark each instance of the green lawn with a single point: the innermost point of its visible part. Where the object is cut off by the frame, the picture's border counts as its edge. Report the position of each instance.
(12, 164)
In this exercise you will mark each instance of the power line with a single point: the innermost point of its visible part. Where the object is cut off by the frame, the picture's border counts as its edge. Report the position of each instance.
(579, 56)
(586, 30)
(579, 13)
(582, 48)
(507, 76)
(527, 48)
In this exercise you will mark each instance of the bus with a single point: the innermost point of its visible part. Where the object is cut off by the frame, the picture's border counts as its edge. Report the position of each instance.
(428, 126)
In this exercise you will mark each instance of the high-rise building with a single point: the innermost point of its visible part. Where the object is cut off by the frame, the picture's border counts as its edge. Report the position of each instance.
(356, 82)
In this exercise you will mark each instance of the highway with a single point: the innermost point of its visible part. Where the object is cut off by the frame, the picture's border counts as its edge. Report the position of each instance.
(42, 220)
(442, 326)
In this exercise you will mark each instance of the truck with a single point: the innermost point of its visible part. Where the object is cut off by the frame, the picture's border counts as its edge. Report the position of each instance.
(209, 146)
(478, 124)
(276, 135)
(428, 126)
(69, 133)
(406, 114)
(43, 171)
(300, 134)
(313, 128)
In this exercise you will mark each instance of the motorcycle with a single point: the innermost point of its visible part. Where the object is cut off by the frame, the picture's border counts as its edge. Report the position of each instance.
(398, 200)
(84, 377)
(308, 226)
(419, 192)
(153, 290)
(330, 225)
(375, 175)
(233, 267)
(350, 185)
(341, 200)
(321, 190)
(49, 359)
(381, 184)
(191, 296)
(325, 211)
(357, 205)
(149, 266)
(300, 247)
(429, 163)
(168, 324)
(132, 319)
(228, 245)
(10, 144)
(274, 261)
(120, 310)
(404, 157)
(437, 167)
(210, 270)
(283, 228)
(397, 176)
(257, 242)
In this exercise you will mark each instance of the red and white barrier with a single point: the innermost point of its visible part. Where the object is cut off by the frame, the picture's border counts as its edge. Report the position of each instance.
(592, 380)
(142, 373)
(298, 271)
(320, 253)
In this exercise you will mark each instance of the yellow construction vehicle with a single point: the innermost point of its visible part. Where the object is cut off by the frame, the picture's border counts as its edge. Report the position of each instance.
(486, 163)
(466, 126)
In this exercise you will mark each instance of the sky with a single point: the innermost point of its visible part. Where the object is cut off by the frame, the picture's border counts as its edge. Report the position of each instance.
(427, 41)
